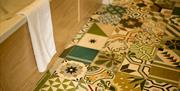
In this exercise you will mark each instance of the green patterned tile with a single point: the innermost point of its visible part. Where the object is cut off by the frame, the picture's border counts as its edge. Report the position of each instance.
(56, 83)
(143, 52)
(164, 73)
(126, 82)
(96, 30)
(82, 54)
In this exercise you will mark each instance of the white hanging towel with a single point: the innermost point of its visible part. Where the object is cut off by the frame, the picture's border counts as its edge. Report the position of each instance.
(41, 32)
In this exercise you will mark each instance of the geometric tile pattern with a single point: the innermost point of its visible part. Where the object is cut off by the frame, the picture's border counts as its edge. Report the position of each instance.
(153, 85)
(134, 66)
(137, 14)
(95, 75)
(56, 83)
(162, 72)
(143, 52)
(131, 45)
(95, 29)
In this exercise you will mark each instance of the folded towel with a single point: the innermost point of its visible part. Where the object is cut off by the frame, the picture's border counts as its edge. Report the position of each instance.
(41, 32)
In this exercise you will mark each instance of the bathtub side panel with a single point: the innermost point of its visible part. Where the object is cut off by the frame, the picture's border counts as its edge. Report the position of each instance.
(18, 70)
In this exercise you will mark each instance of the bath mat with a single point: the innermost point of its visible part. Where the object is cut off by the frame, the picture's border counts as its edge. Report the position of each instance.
(127, 46)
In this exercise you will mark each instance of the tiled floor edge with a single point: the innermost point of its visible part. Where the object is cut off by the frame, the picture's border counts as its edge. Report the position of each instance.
(43, 79)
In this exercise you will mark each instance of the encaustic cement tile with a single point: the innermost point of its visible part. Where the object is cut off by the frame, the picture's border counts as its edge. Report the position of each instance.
(92, 41)
(71, 70)
(102, 85)
(106, 28)
(121, 33)
(136, 13)
(157, 27)
(147, 38)
(127, 82)
(143, 52)
(117, 46)
(56, 83)
(83, 86)
(82, 54)
(98, 77)
(168, 52)
(107, 18)
(164, 73)
(168, 57)
(108, 60)
(167, 61)
(134, 66)
(155, 85)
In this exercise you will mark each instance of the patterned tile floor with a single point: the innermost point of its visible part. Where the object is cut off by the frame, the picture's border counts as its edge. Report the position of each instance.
(127, 46)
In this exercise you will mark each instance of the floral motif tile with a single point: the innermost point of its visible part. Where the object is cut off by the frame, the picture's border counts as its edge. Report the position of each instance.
(98, 77)
(126, 82)
(92, 41)
(108, 60)
(71, 70)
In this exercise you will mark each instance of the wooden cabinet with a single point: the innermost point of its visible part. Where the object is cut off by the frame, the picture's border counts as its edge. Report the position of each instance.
(18, 70)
